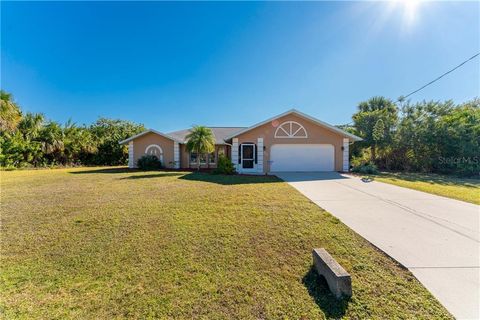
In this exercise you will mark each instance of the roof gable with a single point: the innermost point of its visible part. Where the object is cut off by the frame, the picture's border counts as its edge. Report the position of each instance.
(302, 115)
(150, 131)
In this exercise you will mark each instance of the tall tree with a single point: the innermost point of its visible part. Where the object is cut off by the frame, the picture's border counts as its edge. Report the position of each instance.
(200, 140)
(458, 136)
(417, 143)
(79, 143)
(378, 133)
(52, 140)
(31, 125)
(106, 134)
(10, 114)
(369, 113)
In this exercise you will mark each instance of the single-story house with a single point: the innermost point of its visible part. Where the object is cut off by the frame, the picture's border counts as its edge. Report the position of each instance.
(291, 141)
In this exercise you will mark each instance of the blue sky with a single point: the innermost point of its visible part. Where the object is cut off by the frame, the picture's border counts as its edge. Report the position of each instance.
(170, 65)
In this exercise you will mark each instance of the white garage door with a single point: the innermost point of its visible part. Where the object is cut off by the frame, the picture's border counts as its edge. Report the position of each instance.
(302, 157)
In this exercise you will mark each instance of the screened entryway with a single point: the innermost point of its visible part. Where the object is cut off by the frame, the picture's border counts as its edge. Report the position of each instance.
(247, 155)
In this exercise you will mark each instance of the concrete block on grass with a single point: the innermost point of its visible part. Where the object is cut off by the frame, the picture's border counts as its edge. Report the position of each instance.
(338, 280)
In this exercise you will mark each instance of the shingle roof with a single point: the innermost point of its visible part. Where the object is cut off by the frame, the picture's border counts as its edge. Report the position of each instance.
(220, 133)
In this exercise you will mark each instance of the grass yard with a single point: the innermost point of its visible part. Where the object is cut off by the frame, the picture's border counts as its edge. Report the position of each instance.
(457, 188)
(109, 243)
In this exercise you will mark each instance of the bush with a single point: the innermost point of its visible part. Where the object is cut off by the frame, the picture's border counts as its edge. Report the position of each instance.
(149, 162)
(224, 166)
(367, 168)
(362, 157)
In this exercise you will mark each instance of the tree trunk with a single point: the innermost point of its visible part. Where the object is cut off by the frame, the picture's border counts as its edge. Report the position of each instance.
(373, 153)
(198, 160)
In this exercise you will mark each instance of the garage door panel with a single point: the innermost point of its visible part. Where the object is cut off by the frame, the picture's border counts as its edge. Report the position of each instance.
(302, 157)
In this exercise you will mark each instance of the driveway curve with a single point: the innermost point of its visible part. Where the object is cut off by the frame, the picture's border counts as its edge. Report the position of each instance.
(436, 238)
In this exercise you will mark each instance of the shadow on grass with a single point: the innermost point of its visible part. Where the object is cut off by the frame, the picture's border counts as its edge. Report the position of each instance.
(106, 170)
(228, 180)
(433, 179)
(318, 289)
(153, 175)
(310, 176)
(191, 176)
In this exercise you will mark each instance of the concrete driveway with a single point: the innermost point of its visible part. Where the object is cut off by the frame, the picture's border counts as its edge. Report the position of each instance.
(436, 238)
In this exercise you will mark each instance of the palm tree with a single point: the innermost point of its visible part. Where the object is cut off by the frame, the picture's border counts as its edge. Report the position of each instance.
(31, 125)
(10, 114)
(368, 115)
(52, 139)
(200, 140)
(78, 142)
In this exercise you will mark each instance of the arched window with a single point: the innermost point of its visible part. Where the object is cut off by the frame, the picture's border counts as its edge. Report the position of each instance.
(155, 150)
(291, 129)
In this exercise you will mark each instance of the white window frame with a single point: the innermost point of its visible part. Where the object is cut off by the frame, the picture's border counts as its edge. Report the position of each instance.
(290, 134)
(207, 158)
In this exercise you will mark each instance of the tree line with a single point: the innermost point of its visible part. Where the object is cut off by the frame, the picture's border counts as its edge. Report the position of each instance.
(428, 136)
(29, 139)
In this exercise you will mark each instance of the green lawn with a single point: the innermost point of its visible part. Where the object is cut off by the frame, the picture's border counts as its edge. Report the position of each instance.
(110, 243)
(451, 187)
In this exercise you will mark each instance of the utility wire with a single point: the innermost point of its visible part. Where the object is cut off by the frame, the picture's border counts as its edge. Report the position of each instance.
(402, 98)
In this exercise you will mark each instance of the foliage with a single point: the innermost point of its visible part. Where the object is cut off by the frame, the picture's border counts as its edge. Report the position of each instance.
(378, 131)
(224, 166)
(29, 140)
(380, 112)
(106, 134)
(427, 136)
(200, 140)
(361, 157)
(367, 168)
(149, 162)
(10, 114)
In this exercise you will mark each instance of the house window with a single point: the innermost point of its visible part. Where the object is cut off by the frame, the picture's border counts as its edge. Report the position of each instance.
(155, 150)
(203, 158)
(211, 158)
(291, 129)
(193, 157)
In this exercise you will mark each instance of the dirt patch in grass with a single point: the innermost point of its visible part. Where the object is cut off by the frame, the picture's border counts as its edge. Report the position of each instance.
(114, 243)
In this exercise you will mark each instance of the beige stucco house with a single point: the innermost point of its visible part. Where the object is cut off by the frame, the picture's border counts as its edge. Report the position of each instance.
(291, 141)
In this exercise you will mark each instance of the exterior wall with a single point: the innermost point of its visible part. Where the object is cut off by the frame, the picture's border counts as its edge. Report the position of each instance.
(141, 143)
(316, 135)
(131, 162)
(346, 164)
(260, 168)
(234, 153)
(184, 157)
(176, 155)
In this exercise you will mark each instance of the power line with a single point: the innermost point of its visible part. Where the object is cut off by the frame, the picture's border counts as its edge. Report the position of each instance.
(438, 78)
(401, 98)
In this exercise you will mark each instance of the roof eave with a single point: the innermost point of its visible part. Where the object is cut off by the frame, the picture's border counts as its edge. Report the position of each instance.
(303, 115)
(150, 131)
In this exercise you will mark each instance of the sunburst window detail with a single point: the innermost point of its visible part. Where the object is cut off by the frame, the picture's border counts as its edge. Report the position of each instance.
(291, 129)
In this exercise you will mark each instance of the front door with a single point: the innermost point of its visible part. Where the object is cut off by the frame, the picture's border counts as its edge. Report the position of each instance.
(248, 155)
